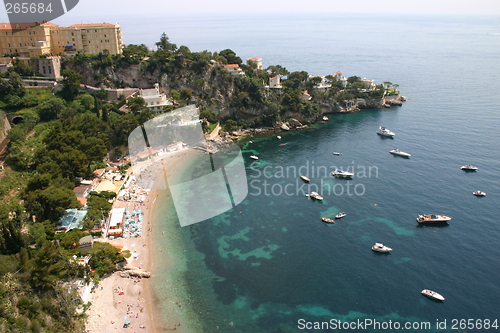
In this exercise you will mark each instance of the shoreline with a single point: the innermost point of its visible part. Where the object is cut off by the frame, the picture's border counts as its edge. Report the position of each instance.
(140, 301)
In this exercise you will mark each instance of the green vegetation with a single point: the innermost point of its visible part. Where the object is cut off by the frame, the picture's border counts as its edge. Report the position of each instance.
(60, 137)
(55, 139)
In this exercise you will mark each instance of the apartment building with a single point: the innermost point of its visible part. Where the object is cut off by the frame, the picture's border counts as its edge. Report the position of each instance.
(26, 40)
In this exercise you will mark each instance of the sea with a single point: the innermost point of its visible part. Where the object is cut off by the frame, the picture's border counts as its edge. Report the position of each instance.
(271, 264)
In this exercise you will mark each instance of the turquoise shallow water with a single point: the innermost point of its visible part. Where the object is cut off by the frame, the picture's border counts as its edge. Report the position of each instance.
(271, 261)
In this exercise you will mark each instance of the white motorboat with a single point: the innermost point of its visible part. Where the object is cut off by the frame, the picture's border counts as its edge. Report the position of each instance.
(316, 196)
(304, 178)
(279, 137)
(479, 193)
(379, 247)
(325, 118)
(384, 131)
(342, 174)
(468, 167)
(431, 218)
(399, 153)
(340, 215)
(336, 153)
(254, 157)
(432, 294)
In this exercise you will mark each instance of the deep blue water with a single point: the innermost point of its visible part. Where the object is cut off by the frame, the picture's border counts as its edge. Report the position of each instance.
(271, 261)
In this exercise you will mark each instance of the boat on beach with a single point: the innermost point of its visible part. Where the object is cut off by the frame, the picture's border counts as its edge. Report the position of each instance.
(379, 247)
(384, 131)
(327, 220)
(433, 295)
(479, 193)
(468, 167)
(399, 153)
(304, 178)
(340, 215)
(432, 218)
(342, 174)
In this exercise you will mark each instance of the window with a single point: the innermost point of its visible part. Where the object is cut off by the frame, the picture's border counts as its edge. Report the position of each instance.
(72, 34)
(72, 39)
(105, 36)
(95, 30)
(9, 44)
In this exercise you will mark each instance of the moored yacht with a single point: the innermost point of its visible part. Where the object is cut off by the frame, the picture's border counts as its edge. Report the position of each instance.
(468, 167)
(479, 193)
(253, 157)
(316, 196)
(384, 131)
(340, 215)
(379, 247)
(399, 153)
(327, 220)
(304, 178)
(432, 294)
(433, 218)
(342, 174)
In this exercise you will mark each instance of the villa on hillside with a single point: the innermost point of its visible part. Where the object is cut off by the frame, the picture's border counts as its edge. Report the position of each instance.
(341, 79)
(275, 82)
(369, 84)
(257, 61)
(323, 85)
(155, 100)
(305, 96)
(234, 69)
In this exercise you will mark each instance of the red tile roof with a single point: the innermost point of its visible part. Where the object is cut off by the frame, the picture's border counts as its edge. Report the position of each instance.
(81, 188)
(83, 201)
(27, 25)
(89, 25)
(231, 65)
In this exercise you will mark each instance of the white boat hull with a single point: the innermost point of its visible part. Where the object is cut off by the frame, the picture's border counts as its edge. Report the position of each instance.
(433, 295)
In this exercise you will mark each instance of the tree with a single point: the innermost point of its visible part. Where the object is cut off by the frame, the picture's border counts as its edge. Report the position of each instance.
(105, 257)
(164, 43)
(48, 265)
(230, 56)
(137, 104)
(71, 84)
(278, 70)
(135, 50)
(87, 101)
(23, 68)
(50, 109)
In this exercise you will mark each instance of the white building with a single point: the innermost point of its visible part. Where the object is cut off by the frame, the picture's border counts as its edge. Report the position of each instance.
(324, 84)
(341, 79)
(234, 69)
(275, 82)
(258, 61)
(155, 100)
(369, 84)
(305, 96)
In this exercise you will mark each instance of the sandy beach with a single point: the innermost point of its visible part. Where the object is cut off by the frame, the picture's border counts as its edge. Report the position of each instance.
(116, 300)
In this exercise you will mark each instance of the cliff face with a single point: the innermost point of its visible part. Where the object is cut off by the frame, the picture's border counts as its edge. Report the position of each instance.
(4, 126)
(211, 87)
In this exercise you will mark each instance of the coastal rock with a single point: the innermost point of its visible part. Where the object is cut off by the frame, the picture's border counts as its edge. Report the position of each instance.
(141, 273)
(294, 123)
